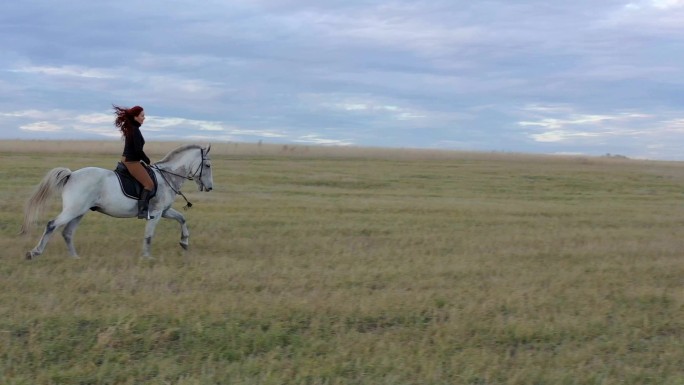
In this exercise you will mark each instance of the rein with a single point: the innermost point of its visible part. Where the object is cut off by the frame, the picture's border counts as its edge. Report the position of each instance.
(187, 177)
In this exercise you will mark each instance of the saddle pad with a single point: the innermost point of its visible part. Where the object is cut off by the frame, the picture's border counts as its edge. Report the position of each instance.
(129, 185)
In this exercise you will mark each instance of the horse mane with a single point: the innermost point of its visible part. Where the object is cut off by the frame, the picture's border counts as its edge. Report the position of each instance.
(177, 151)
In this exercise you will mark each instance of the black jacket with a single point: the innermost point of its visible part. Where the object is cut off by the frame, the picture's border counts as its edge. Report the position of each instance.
(133, 147)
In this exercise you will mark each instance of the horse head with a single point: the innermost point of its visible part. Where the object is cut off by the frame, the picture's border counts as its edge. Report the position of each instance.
(204, 177)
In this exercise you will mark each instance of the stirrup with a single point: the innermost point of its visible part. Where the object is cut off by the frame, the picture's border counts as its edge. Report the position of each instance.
(145, 215)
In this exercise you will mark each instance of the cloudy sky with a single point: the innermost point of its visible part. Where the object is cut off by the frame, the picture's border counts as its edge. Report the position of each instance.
(534, 76)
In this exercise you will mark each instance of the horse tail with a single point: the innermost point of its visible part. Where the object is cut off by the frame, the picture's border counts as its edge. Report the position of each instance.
(52, 183)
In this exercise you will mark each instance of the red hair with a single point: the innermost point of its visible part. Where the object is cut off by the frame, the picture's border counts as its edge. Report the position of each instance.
(125, 118)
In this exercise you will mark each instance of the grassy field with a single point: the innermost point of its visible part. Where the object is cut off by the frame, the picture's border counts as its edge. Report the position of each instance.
(356, 266)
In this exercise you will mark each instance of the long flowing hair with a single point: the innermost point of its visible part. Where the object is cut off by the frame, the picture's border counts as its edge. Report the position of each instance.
(125, 118)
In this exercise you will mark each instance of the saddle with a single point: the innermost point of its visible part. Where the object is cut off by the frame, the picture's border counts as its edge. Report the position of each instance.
(129, 185)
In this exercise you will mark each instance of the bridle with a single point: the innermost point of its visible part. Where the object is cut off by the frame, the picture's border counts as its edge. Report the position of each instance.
(192, 176)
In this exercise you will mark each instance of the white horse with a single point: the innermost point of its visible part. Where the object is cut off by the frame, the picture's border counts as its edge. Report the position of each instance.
(98, 189)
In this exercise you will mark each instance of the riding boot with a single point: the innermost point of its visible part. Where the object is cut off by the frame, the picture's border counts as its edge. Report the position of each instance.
(144, 204)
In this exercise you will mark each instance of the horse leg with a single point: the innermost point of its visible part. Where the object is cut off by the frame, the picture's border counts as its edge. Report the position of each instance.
(149, 233)
(38, 250)
(185, 233)
(68, 233)
(63, 218)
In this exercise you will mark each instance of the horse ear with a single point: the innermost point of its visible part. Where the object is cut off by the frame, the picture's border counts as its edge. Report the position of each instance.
(208, 148)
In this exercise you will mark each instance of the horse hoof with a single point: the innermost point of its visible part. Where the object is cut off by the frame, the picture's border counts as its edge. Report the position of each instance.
(29, 256)
(183, 245)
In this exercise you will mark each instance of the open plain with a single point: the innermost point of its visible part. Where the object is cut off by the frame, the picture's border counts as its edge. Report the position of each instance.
(314, 265)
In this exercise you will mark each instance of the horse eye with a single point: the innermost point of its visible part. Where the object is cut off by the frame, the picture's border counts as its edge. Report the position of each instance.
(207, 165)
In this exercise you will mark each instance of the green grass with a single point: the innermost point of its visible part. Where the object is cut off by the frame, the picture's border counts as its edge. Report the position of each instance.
(358, 267)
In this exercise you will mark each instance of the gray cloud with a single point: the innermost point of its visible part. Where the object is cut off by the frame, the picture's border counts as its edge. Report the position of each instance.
(604, 77)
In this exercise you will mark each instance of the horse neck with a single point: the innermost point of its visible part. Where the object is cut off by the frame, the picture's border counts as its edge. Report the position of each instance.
(183, 164)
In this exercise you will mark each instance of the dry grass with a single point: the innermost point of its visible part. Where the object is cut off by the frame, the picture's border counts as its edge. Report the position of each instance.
(357, 266)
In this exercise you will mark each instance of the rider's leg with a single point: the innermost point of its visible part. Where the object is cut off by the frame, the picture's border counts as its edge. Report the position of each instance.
(140, 174)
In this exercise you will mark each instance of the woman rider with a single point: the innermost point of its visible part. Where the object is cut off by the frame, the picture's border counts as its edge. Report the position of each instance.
(129, 120)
